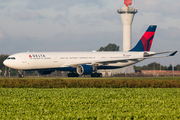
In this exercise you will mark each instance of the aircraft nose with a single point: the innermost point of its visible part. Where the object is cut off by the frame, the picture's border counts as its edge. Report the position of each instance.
(5, 62)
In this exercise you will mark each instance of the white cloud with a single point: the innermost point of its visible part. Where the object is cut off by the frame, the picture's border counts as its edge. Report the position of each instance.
(3, 35)
(61, 5)
(97, 19)
(25, 16)
(62, 19)
(171, 33)
(166, 8)
(5, 1)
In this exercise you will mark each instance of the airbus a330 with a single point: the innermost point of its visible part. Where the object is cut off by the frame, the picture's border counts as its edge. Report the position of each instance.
(83, 63)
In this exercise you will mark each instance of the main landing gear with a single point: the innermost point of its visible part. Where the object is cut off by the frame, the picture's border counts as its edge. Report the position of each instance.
(77, 75)
(73, 74)
(96, 74)
(20, 73)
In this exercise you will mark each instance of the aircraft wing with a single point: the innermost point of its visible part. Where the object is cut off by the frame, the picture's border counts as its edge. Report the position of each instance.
(122, 60)
(99, 62)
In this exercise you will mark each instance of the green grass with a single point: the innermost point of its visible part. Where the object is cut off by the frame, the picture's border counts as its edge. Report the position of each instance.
(90, 103)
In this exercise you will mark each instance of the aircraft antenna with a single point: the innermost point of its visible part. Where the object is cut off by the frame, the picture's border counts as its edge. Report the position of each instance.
(134, 4)
(119, 4)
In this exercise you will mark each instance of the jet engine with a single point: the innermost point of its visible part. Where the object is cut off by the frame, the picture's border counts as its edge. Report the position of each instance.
(84, 69)
(45, 72)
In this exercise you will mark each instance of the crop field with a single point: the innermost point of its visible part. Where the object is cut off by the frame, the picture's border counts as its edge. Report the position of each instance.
(90, 103)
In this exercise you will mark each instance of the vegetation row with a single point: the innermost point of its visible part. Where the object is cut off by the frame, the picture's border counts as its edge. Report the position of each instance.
(92, 83)
(90, 104)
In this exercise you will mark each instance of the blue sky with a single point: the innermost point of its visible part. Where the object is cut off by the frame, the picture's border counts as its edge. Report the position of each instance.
(85, 25)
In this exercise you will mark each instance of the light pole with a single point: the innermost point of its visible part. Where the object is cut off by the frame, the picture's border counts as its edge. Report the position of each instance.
(173, 67)
(154, 68)
(9, 72)
(5, 71)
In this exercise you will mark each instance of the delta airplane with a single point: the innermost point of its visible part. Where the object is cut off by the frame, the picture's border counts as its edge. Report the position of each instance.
(83, 63)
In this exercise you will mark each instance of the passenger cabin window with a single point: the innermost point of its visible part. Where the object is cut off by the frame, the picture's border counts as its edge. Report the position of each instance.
(73, 58)
(63, 57)
(91, 57)
(83, 57)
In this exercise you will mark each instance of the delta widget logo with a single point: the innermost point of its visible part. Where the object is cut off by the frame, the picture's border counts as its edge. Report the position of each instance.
(30, 56)
(37, 56)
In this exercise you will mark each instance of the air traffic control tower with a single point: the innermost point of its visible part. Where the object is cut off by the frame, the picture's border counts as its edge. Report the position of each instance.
(127, 14)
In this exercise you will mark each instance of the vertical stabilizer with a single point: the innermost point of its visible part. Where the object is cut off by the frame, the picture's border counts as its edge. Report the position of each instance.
(145, 42)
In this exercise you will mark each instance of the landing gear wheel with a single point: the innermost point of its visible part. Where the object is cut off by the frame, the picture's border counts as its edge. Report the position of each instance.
(73, 75)
(96, 74)
(92, 74)
(20, 74)
(100, 74)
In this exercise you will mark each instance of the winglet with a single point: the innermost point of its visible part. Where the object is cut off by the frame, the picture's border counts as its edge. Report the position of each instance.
(173, 53)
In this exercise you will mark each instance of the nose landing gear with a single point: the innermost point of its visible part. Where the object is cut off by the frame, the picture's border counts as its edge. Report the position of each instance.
(20, 73)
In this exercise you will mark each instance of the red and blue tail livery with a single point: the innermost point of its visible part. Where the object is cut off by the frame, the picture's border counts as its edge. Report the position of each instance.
(145, 42)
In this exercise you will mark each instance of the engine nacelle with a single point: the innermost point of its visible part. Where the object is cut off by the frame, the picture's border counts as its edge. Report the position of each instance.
(44, 72)
(84, 69)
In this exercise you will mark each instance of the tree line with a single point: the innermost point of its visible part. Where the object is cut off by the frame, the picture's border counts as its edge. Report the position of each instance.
(156, 66)
(109, 47)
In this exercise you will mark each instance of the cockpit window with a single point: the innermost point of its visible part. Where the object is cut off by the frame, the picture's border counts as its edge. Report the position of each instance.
(12, 58)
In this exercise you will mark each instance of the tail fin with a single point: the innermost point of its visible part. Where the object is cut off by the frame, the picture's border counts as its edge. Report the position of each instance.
(145, 42)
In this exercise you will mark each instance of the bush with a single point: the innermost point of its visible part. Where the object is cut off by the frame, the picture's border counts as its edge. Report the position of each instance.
(173, 82)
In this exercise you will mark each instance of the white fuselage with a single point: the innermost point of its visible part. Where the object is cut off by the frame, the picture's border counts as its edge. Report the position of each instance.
(53, 60)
